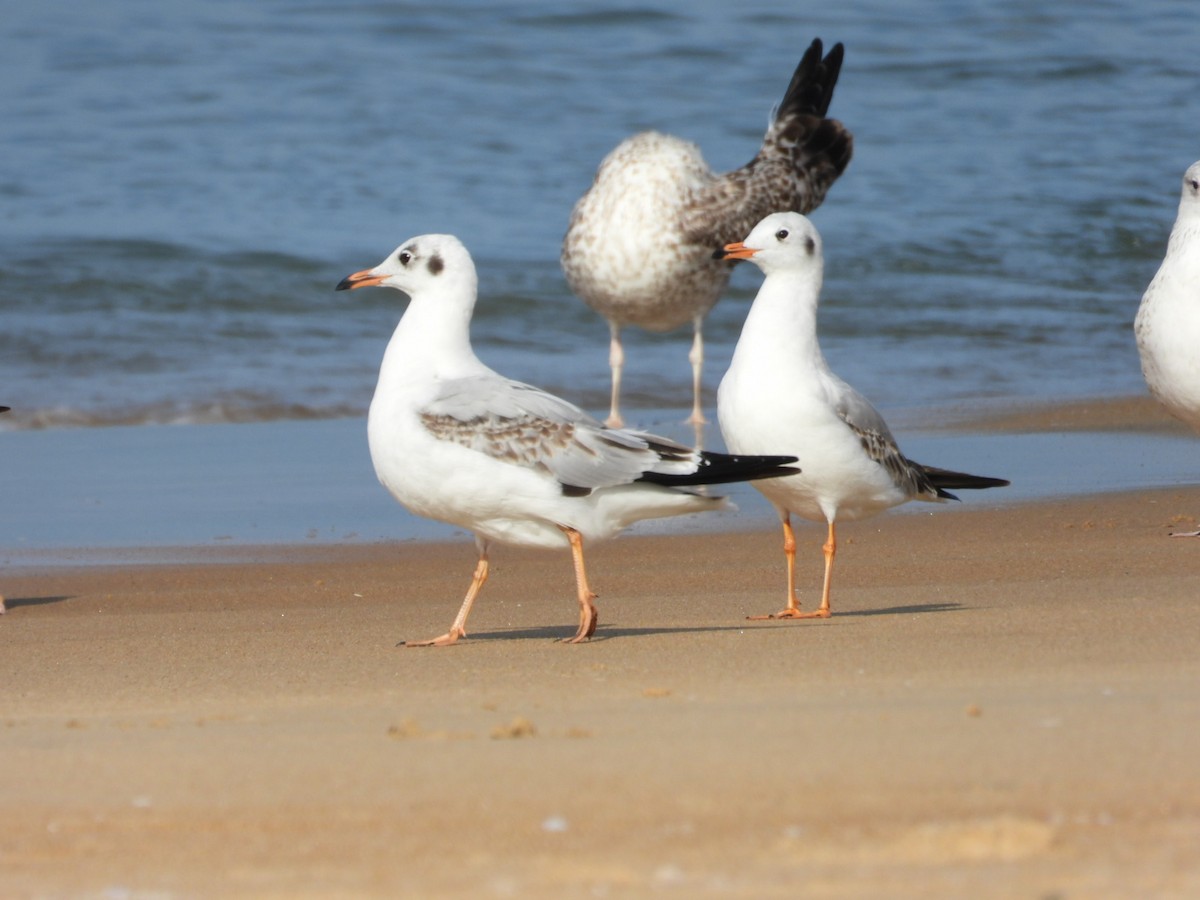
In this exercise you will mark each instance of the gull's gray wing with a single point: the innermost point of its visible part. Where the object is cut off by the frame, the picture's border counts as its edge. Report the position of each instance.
(876, 438)
(524, 426)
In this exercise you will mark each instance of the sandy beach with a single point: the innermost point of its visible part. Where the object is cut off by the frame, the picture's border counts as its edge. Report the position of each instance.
(1004, 704)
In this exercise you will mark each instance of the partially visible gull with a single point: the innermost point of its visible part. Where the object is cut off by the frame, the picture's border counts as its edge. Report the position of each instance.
(453, 440)
(779, 392)
(1168, 320)
(657, 191)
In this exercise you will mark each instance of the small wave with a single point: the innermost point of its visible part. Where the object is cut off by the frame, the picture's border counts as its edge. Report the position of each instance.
(226, 411)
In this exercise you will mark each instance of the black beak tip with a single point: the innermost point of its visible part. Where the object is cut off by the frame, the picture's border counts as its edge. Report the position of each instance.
(719, 253)
(345, 284)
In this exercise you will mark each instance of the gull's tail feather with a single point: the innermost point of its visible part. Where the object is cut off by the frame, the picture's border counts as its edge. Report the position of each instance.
(944, 481)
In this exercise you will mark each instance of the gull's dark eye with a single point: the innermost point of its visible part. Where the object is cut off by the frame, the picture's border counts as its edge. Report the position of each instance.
(404, 257)
(781, 234)
(1195, 184)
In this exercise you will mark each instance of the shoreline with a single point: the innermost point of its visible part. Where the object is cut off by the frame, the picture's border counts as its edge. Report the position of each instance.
(108, 494)
(1139, 413)
(34, 562)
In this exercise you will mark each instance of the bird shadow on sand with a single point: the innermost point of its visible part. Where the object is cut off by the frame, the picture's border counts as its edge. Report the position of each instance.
(12, 603)
(908, 609)
(606, 633)
(560, 633)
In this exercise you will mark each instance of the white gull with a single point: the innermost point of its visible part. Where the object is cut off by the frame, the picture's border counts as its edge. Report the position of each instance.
(1168, 320)
(779, 392)
(453, 440)
(657, 190)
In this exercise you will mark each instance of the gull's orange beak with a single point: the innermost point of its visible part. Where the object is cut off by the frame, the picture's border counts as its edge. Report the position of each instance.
(737, 250)
(365, 278)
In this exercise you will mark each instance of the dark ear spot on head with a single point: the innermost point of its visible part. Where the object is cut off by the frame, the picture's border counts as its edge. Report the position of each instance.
(810, 245)
(435, 264)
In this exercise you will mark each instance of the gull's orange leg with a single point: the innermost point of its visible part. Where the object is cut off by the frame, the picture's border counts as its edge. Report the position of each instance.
(588, 617)
(830, 550)
(459, 628)
(792, 610)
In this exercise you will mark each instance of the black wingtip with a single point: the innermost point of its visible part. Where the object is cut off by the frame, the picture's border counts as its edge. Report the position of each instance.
(725, 468)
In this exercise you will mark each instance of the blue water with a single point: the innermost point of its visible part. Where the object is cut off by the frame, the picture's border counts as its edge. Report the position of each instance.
(93, 495)
(184, 183)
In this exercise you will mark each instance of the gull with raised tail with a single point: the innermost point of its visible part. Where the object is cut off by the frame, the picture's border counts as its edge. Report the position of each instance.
(1167, 326)
(453, 440)
(656, 190)
(780, 393)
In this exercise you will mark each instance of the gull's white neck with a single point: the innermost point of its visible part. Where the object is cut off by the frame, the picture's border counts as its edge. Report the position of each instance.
(433, 339)
(1186, 230)
(781, 327)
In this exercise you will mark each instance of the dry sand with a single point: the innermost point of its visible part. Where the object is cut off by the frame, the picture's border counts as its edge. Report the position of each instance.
(1006, 703)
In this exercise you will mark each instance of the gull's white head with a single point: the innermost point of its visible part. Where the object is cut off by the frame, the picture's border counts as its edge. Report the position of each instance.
(422, 263)
(1189, 201)
(785, 240)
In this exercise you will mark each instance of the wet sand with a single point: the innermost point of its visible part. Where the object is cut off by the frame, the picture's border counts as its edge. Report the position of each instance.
(1006, 703)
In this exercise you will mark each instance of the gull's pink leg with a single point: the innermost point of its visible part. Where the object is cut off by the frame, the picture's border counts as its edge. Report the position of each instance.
(588, 617)
(459, 628)
(616, 361)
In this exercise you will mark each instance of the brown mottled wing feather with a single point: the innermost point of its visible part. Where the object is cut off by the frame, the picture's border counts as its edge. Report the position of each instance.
(802, 154)
(522, 425)
(907, 475)
(917, 480)
(523, 440)
(876, 439)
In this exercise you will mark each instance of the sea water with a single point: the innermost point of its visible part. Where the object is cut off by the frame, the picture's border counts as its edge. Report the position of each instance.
(184, 184)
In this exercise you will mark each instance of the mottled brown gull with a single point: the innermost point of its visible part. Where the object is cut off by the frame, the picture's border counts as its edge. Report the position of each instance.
(655, 190)
(456, 441)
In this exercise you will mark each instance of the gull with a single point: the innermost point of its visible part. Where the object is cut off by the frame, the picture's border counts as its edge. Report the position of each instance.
(453, 440)
(656, 190)
(779, 392)
(1168, 320)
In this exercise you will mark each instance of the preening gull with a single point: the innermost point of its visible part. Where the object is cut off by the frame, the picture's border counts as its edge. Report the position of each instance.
(1168, 320)
(655, 190)
(453, 440)
(779, 392)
